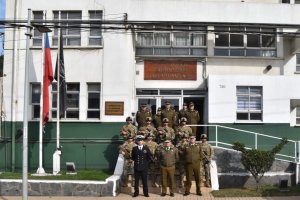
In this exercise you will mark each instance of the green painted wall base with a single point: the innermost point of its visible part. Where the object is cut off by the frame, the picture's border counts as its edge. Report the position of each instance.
(89, 145)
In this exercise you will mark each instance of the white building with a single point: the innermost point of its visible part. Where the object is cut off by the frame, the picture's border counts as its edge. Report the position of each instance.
(236, 60)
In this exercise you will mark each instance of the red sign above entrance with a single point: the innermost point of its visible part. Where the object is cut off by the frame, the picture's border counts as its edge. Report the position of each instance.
(170, 70)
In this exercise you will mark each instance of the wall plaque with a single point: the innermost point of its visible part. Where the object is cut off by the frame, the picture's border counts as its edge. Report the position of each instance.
(114, 108)
(170, 70)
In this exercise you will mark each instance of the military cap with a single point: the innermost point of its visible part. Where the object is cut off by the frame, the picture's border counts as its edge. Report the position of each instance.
(192, 137)
(191, 103)
(167, 141)
(203, 136)
(140, 137)
(167, 102)
(143, 104)
(129, 137)
(148, 119)
(165, 120)
(159, 109)
(183, 119)
(185, 136)
(184, 104)
(128, 119)
(150, 135)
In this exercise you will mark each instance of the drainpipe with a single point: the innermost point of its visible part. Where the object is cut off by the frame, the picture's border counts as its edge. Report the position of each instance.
(13, 125)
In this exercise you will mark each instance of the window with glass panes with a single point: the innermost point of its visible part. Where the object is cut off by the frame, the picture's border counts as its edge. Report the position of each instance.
(72, 101)
(93, 110)
(95, 37)
(245, 41)
(298, 62)
(37, 35)
(171, 40)
(35, 100)
(71, 32)
(298, 115)
(249, 102)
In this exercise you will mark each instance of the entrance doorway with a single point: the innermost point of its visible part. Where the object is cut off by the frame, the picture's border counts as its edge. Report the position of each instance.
(199, 105)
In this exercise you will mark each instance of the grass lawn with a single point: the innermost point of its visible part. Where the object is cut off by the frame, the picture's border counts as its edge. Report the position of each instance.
(251, 192)
(95, 175)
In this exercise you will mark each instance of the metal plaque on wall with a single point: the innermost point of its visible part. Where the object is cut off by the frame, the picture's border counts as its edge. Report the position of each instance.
(114, 108)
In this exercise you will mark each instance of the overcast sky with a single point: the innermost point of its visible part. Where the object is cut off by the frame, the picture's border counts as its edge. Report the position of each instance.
(2, 14)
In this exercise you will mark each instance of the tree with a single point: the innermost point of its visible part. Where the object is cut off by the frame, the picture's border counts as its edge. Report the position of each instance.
(256, 161)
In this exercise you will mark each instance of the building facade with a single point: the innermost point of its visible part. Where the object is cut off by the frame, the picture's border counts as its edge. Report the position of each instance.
(238, 61)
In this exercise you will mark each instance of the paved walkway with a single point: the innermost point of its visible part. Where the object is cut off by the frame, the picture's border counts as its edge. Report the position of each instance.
(154, 195)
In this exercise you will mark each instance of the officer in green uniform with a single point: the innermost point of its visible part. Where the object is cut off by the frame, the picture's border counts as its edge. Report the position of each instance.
(170, 114)
(184, 111)
(148, 128)
(193, 117)
(142, 114)
(182, 130)
(165, 132)
(128, 129)
(181, 163)
(208, 153)
(193, 158)
(168, 156)
(153, 161)
(125, 150)
(157, 120)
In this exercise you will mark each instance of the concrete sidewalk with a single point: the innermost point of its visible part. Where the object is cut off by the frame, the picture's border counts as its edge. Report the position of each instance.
(154, 194)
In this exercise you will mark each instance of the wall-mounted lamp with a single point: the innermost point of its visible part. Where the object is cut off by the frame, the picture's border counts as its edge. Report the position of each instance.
(269, 67)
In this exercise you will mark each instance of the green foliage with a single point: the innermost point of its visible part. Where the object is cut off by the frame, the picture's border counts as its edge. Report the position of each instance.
(98, 175)
(256, 161)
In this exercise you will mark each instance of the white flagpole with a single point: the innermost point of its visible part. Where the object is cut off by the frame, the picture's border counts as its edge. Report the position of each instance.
(41, 170)
(56, 155)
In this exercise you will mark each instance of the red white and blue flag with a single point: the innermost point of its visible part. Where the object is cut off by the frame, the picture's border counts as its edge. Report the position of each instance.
(48, 78)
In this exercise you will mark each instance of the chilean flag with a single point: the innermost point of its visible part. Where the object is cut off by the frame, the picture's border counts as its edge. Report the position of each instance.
(48, 78)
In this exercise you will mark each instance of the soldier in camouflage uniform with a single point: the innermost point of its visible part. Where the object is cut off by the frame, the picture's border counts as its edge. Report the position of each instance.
(184, 111)
(150, 128)
(180, 165)
(128, 129)
(193, 117)
(153, 161)
(170, 114)
(208, 153)
(141, 115)
(165, 132)
(182, 129)
(125, 150)
(157, 120)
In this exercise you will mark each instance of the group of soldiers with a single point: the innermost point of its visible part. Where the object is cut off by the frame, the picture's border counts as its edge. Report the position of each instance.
(172, 147)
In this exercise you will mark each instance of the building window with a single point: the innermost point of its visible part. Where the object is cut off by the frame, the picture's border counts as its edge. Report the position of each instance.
(95, 37)
(244, 41)
(35, 100)
(72, 111)
(298, 62)
(298, 115)
(93, 110)
(37, 37)
(171, 41)
(71, 33)
(249, 103)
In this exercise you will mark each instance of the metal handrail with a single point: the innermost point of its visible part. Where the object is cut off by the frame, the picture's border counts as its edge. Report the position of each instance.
(295, 157)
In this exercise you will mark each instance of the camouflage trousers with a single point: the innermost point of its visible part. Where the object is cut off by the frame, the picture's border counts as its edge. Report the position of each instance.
(206, 170)
(181, 172)
(127, 170)
(153, 169)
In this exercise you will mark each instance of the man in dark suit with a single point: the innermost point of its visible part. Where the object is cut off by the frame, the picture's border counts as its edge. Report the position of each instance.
(141, 156)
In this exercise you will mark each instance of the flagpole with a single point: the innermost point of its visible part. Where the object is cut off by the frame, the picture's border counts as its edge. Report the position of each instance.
(25, 113)
(57, 153)
(41, 170)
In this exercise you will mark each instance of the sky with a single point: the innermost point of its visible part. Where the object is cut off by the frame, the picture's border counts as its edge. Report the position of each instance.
(2, 16)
